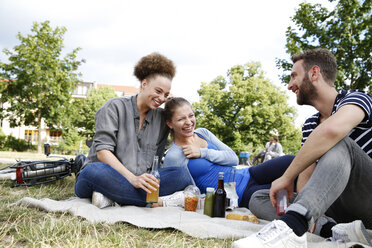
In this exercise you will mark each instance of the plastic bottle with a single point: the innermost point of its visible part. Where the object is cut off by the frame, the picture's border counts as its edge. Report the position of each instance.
(154, 195)
(281, 202)
(208, 203)
(219, 202)
(232, 197)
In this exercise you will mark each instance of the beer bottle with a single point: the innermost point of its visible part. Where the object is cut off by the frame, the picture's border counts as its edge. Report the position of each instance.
(154, 195)
(219, 201)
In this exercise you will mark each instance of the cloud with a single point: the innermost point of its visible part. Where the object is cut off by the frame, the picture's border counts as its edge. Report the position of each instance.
(203, 38)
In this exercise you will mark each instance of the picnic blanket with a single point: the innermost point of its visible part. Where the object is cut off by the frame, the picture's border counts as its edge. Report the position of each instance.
(194, 224)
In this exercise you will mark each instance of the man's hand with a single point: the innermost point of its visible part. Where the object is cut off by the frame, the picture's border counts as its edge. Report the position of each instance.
(191, 151)
(145, 181)
(281, 183)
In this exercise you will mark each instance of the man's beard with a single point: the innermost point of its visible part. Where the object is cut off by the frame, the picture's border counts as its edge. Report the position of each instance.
(307, 92)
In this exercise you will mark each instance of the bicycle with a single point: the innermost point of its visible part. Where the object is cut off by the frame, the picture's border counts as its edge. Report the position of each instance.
(29, 173)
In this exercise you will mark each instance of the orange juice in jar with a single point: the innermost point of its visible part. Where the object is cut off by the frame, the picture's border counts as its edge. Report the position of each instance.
(192, 194)
(191, 202)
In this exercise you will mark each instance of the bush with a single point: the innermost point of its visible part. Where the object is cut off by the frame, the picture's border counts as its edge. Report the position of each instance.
(72, 144)
(12, 143)
(2, 139)
(70, 149)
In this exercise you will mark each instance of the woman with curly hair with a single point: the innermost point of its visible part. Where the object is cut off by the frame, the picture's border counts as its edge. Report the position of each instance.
(129, 133)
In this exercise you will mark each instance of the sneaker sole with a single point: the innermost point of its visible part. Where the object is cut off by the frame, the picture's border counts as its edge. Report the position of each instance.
(365, 234)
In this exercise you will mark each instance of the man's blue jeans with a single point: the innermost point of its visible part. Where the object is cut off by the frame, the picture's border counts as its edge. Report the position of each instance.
(340, 187)
(102, 178)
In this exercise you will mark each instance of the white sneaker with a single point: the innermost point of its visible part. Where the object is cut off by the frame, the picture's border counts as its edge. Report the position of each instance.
(351, 232)
(176, 199)
(275, 234)
(321, 222)
(101, 201)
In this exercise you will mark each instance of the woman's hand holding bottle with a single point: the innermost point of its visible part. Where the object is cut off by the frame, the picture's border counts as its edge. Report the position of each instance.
(145, 182)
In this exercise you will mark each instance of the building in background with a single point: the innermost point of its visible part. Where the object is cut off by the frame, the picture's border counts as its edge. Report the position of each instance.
(121, 90)
(53, 136)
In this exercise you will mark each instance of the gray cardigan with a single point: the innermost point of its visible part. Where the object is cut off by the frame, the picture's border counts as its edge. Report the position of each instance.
(223, 156)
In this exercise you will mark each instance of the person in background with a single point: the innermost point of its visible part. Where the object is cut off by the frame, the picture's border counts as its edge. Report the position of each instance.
(261, 155)
(275, 149)
(129, 133)
(334, 165)
(204, 156)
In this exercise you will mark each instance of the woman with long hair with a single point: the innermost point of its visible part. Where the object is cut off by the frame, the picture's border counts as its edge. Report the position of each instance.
(204, 155)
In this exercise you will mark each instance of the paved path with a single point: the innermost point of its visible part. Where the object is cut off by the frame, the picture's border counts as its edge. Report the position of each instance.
(241, 166)
(7, 160)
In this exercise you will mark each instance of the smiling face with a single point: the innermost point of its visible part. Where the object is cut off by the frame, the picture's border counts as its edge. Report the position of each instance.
(301, 85)
(182, 122)
(155, 91)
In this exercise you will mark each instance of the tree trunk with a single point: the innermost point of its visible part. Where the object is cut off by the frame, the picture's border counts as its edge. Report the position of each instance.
(39, 145)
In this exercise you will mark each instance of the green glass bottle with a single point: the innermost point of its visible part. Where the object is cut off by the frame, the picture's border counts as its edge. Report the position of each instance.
(208, 203)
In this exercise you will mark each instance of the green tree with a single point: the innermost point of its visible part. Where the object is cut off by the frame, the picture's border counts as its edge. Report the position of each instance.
(346, 31)
(38, 81)
(84, 110)
(245, 109)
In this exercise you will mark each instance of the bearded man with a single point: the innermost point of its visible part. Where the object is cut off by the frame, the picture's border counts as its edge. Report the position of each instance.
(332, 170)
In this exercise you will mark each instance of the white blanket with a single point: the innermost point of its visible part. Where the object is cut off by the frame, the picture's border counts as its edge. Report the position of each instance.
(194, 224)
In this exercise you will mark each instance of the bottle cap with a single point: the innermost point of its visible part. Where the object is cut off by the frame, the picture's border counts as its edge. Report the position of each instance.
(210, 190)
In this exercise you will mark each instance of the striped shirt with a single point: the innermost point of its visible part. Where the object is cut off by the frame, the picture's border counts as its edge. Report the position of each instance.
(362, 133)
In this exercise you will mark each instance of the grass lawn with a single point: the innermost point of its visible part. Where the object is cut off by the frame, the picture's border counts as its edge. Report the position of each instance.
(29, 227)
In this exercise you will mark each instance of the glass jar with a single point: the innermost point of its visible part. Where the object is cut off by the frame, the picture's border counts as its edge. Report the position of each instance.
(192, 194)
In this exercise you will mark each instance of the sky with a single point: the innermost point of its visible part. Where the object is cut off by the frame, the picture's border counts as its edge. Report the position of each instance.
(204, 38)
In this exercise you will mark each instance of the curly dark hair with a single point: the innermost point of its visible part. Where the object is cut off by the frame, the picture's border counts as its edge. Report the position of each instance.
(152, 65)
(322, 58)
